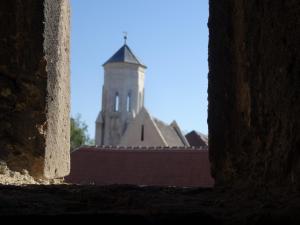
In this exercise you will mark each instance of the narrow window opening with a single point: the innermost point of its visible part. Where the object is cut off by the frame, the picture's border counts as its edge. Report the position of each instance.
(117, 103)
(128, 105)
(142, 133)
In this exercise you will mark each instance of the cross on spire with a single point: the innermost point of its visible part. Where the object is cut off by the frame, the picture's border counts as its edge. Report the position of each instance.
(125, 37)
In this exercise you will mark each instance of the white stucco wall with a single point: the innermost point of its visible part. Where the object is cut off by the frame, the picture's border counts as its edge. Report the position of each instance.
(122, 79)
(152, 136)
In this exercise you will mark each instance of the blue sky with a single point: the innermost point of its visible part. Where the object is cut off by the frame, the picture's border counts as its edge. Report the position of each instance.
(169, 36)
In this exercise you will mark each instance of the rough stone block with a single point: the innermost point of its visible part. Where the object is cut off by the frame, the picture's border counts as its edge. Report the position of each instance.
(254, 94)
(34, 86)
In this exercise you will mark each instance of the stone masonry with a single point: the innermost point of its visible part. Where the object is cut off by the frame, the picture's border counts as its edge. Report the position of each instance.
(34, 86)
(254, 92)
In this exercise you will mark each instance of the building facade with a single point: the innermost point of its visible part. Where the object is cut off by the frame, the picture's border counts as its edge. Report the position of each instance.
(124, 120)
(122, 96)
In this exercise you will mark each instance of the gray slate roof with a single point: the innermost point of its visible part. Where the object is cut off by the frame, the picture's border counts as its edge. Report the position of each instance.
(203, 137)
(124, 55)
(197, 139)
(169, 133)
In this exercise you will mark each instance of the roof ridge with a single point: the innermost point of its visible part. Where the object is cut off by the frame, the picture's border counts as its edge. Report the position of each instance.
(160, 121)
(131, 52)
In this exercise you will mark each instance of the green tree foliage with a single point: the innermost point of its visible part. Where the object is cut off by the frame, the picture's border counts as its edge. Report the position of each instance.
(79, 133)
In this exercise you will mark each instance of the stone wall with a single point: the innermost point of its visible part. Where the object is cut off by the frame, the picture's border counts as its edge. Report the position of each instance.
(254, 89)
(34, 86)
(178, 166)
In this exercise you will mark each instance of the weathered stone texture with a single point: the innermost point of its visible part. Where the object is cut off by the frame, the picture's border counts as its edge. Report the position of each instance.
(57, 49)
(33, 109)
(254, 89)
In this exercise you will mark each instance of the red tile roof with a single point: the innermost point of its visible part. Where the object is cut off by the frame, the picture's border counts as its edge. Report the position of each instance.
(197, 139)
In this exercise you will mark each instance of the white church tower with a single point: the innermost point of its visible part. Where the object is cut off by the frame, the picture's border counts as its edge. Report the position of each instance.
(122, 96)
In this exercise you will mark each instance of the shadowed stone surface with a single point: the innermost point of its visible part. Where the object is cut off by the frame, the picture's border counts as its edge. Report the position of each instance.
(154, 205)
(34, 86)
(254, 94)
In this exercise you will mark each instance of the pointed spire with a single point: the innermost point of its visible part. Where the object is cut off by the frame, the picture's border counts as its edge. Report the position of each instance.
(124, 55)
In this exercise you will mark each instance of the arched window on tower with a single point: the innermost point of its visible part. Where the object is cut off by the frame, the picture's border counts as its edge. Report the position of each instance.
(128, 103)
(117, 102)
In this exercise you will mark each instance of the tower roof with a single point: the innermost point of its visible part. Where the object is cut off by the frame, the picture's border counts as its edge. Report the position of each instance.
(124, 55)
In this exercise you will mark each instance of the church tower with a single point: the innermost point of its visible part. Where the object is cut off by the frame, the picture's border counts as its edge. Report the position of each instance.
(122, 96)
